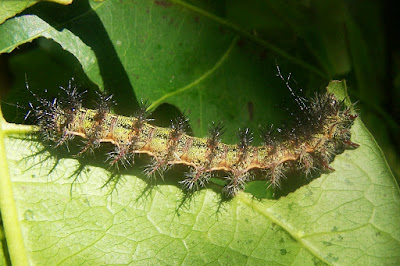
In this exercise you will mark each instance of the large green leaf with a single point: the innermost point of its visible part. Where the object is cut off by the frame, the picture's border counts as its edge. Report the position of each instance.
(171, 53)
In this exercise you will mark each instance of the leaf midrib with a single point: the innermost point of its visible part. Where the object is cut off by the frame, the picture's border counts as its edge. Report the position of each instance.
(285, 226)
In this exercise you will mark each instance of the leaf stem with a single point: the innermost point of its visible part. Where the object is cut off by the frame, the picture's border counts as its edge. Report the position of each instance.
(252, 37)
(8, 208)
(197, 81)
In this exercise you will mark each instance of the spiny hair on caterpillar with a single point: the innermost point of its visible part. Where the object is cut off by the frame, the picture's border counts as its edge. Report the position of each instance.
(320, 130)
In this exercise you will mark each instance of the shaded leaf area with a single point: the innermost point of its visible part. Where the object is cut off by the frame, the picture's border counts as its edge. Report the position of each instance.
(30, 27)
(153, 52)
(354, 39)
(4, 256)
(167, 53)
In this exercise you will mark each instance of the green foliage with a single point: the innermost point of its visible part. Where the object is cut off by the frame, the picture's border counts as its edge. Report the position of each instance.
(217, 65)
(12, 7)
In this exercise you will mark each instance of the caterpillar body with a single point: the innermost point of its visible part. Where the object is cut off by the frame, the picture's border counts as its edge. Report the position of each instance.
(320, 130)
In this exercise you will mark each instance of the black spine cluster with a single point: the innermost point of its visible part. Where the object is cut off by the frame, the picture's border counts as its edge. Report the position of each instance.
(142, 114)
(215, 131)
(179, 126)
(46, 113)
(245, 139)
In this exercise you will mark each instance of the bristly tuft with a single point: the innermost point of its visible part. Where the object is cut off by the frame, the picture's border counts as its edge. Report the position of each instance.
(268, 135)
(142, 114)
(104, 103)
(154, 168)
(73, 99)
(179, 126)
(215, 131)
(195, 180)
(245, 138)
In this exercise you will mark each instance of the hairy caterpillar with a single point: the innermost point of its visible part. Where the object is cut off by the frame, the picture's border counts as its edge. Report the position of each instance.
(320, 130)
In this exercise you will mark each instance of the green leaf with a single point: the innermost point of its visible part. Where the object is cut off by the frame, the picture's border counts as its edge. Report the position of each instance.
(10, 8)
(170, 53)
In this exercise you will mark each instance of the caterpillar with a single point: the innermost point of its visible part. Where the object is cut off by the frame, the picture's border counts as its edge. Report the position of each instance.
(320, 130)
